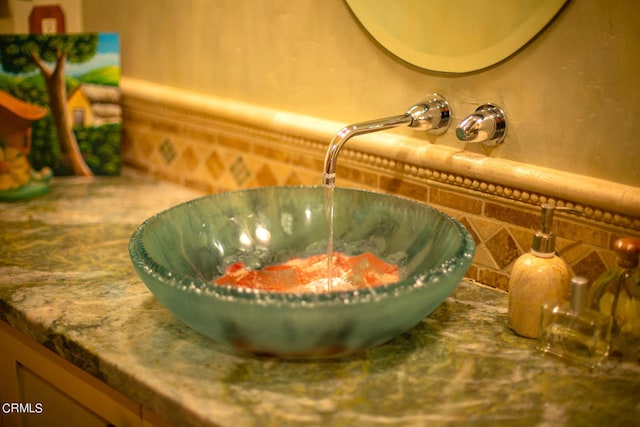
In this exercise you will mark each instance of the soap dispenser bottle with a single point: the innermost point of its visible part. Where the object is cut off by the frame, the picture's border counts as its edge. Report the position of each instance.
(617, 293)
(537, 277)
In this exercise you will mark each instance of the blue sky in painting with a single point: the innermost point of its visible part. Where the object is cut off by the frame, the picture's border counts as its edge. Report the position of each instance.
(108, 43)
(108, 54)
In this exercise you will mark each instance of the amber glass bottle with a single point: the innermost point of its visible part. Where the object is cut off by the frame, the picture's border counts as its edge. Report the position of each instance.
(617, 294)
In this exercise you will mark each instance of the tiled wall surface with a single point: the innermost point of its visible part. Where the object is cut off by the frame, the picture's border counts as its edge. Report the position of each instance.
(215, 154)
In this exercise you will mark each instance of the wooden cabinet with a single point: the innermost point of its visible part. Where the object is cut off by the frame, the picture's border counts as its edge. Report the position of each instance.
(39, 388)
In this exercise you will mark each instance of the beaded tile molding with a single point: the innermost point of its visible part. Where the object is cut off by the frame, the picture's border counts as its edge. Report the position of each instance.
(176, 137)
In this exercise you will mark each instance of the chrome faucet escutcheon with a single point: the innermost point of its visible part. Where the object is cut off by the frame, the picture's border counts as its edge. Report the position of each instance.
(488, 125)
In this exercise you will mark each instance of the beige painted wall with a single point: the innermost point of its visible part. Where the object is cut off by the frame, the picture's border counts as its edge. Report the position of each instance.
(572, 95)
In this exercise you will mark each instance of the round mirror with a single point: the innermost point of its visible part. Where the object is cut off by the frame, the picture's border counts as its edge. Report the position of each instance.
(454, 36)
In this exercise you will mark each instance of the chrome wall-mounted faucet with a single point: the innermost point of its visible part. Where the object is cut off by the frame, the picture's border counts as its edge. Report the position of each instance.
(432, 115)
(488, 125)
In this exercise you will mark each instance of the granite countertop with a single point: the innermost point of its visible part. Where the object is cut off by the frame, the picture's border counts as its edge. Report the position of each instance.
(66, 280)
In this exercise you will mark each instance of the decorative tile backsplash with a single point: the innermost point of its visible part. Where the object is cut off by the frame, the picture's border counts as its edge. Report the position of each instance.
(217, 154)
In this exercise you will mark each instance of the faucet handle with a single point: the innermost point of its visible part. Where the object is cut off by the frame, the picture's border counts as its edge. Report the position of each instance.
(432, 114)
(488, 125)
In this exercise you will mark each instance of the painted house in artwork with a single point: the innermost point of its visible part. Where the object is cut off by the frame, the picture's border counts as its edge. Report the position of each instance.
(79, 108)
(94, 105)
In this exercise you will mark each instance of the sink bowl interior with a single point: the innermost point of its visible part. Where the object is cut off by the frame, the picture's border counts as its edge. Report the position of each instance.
(179, 253)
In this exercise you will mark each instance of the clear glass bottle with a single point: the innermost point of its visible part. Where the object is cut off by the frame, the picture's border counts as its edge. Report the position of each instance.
(573, 332)
(617, 293)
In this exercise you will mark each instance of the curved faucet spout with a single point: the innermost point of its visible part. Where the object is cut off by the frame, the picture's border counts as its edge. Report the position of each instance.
(348, 132)
(429, 115)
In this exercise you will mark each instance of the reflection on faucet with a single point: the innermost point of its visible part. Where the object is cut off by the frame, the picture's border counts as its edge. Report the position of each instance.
(487, 125)
(431, 115)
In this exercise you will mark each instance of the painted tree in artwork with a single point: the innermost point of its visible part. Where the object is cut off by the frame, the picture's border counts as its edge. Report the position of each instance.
(48, 54)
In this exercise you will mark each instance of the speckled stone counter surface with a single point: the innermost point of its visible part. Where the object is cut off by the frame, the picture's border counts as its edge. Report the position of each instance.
(66, 280)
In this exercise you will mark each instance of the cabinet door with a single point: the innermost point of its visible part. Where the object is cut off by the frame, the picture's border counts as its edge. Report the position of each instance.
(51, 407)
(46, 390)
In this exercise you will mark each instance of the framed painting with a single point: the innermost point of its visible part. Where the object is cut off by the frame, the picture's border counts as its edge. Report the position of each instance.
(60, 109)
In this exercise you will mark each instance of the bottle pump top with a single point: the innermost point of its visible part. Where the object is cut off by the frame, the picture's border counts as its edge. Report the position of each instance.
(544, 240)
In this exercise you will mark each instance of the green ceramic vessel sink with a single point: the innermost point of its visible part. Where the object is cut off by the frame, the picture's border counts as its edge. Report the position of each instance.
(179, 252)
